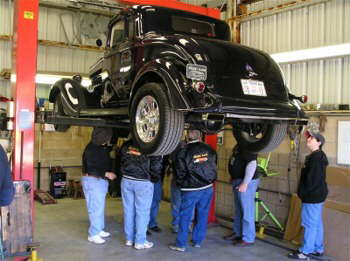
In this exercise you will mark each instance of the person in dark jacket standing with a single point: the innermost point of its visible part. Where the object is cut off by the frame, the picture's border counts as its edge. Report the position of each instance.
(7, 190)
(245, 181)
(195, 173)
(139, 173)
(97, 166)
(312, 191)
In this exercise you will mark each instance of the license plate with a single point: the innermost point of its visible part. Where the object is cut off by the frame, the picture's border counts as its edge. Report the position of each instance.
(196, 72)
(253, 87)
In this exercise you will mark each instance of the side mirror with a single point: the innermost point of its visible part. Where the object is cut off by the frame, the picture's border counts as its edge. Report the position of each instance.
(99, 42)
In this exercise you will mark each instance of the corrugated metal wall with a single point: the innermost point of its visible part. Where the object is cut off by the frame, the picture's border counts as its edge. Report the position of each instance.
(50, 58)
(324, 81)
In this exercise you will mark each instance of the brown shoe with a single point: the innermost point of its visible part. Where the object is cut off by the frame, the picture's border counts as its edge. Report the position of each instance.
(242, 243)
(230, 237)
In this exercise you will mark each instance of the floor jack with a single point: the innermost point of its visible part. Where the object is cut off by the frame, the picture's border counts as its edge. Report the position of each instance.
(263, 165)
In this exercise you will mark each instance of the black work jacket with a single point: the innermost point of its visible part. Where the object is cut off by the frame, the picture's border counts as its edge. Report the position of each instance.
(312, 186)
(96, 160)
(238, 162)
(195, 166)
(137, 166)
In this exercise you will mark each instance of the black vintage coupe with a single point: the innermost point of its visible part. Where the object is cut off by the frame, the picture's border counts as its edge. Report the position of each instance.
(164, 69)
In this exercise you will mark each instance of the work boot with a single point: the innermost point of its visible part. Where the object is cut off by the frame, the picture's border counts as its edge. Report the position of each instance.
(230, 236)
(156, 229)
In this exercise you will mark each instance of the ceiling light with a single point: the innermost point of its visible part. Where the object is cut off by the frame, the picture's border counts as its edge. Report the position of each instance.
(52, 78)
(312, 54)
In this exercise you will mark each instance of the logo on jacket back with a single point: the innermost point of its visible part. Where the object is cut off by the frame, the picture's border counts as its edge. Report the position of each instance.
(133, 151)
(250, 71)
(199, 158)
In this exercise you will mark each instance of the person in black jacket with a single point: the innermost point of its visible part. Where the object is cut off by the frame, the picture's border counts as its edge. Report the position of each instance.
(245, 181)
(195, 173)
(7, 190)
(139, 173)
(97, 168)
(312, 191)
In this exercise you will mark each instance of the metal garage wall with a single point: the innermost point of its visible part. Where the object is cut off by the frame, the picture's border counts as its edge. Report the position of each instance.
(328, 23)
(50, 58)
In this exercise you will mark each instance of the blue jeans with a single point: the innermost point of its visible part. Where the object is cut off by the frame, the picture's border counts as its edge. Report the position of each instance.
(137, 199)
(199, 200)
(95, 190)
(244, 218)
(311, 220)
(157, 197)
(175, 203)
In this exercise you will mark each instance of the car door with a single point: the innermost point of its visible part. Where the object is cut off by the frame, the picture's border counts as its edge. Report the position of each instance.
(119, 57)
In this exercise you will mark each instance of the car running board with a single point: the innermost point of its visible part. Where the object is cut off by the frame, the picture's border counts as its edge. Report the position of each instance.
(49, 117)
(104, 112)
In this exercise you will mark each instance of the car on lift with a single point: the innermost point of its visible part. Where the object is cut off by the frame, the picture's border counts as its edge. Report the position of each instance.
(165, 69)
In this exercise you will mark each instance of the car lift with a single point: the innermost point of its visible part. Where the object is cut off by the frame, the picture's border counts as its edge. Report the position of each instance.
(24, 64)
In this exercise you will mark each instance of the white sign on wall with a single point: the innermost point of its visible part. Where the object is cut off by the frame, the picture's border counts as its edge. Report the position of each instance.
(343, 142)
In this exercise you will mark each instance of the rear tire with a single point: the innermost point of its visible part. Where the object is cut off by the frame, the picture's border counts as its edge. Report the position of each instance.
(270, 137)
(156, 127)
(59, 111)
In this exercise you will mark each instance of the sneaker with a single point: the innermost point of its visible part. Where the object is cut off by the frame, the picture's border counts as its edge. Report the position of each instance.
(176, 248)
(104, 234)
(242, 243)
(230, 237)
(96, 239)
(298, 255)
(156, 229)
(144, 245)
(129, 243)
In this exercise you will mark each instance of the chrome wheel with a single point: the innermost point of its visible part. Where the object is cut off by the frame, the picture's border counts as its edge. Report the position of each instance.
(147, 119)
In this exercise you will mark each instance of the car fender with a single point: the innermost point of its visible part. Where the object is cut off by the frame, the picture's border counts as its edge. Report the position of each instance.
(173, 81)
(72, 94)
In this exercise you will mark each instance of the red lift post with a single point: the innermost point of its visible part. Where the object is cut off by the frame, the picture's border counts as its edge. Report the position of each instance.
(212, 12)
(24, 57)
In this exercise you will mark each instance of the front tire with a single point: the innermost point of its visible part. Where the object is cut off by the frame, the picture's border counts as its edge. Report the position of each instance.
(265, 138)
(156, 127)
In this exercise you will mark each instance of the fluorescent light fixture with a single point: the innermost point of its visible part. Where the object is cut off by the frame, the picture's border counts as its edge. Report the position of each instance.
(52, 78)
(312, 54)
(49, 79)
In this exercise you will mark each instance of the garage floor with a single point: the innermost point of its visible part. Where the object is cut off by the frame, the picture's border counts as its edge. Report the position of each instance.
(61, 230)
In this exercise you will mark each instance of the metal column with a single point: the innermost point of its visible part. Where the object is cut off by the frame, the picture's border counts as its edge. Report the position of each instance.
(24, 57)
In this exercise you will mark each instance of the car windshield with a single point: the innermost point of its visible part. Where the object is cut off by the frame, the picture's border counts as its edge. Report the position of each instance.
(163, 20)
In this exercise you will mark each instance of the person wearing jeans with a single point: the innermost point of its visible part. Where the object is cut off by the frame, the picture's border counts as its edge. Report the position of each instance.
(157, 197)
(175, 194)
(138, 172)
(195, 172)
(245, 181)
(312, 191)
(97, 166)
(137, 198)
(244, 218)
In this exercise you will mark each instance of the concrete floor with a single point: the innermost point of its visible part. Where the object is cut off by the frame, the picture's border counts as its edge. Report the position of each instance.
(61, 230)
